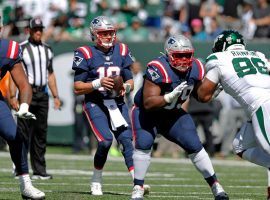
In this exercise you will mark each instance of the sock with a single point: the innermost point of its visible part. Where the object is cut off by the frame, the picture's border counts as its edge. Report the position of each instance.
(131, 171)
(257, 156)
(97, 175)
(202, 163)
(141, 159)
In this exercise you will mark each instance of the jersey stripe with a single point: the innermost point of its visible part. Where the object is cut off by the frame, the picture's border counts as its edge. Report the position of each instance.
(123, 49)
(86, 51)
(13, 49)
(200, 68)
(162, 69)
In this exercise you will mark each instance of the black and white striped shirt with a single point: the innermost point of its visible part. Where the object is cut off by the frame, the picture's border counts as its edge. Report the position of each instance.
(37, 62)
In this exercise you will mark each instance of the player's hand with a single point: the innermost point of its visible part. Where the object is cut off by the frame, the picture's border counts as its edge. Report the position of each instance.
(107, 83)
(24, 113)
(126, 89)
(57, 103)
(170, 97)
(219, 88)
(14, 104)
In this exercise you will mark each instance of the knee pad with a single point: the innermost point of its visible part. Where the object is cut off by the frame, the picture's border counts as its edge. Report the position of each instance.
(105, 145)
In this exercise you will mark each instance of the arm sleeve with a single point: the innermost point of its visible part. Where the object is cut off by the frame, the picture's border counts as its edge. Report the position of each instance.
(213, 75)
(153, 74)
(50, 64)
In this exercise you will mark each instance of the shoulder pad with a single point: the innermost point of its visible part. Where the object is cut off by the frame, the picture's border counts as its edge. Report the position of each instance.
(86, 51)
(200, 68)
(123, 49)
(161, 68)
(211, 57)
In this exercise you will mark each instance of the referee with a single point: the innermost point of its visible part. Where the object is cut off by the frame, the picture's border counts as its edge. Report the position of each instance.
(37, 62)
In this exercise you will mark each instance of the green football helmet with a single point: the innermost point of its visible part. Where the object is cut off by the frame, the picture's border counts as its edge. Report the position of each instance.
(226, 39)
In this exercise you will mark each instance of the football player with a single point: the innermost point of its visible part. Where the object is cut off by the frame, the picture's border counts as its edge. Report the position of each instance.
(107, 114)
(244, 75)
(169, 80)
(10, 60)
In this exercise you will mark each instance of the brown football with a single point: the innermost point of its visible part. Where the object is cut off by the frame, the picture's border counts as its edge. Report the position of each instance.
(118, 86)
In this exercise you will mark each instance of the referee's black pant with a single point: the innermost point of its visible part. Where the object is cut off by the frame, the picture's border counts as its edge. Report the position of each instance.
(35, 131)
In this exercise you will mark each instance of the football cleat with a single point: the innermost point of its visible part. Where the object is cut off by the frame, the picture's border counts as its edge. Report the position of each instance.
(28, 191)
(219, 192)
(146, 189)
(41, 176)
(137, 193)
(96, 189)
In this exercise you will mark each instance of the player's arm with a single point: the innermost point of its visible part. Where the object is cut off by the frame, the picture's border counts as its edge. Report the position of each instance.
(151, 95)
(205, 90)
(21, 81)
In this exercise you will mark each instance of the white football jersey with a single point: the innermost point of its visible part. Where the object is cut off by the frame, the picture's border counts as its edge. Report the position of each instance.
(243, 74)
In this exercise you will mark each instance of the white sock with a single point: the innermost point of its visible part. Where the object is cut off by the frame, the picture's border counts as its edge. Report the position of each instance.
(97, 175)
(258, 156)
(141, 160)
(132, 173)
(203, 163)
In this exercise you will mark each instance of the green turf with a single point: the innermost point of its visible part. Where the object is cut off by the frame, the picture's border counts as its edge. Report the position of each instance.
(168, 180)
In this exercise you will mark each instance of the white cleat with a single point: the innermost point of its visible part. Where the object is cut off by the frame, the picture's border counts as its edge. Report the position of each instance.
(219, 192)
(32, 193)
(96, 189)
(137, 193)
(146, 189)
(28, 191)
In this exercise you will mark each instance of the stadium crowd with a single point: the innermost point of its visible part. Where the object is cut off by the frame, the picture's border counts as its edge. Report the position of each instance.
(140, 20)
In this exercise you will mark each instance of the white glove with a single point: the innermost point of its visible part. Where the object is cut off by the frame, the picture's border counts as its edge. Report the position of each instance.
(24, 113)
(219, 88)
(170, 97)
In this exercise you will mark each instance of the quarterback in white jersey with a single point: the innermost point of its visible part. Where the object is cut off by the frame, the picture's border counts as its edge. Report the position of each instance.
(244, 75)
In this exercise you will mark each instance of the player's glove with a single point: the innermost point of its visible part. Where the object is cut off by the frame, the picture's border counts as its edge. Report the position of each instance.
(24, 113)
(127, 87)
(170, 97)
(219, 88)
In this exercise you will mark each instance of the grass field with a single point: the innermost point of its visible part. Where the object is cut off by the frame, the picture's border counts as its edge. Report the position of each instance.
(169, 179)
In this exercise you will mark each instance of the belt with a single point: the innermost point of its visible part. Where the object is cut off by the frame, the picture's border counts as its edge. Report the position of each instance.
(38, 88)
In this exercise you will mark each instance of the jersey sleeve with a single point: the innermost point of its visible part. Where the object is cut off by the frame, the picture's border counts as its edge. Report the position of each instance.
(198, 70)
(154, 74)
(81, 55)
(213, 75)
(264, 59)
(50, 64)
(128, 59)
(14, 53)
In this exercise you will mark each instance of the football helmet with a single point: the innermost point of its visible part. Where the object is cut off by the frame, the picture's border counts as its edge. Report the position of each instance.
(103, 31)
(180, 52)
(226, 39)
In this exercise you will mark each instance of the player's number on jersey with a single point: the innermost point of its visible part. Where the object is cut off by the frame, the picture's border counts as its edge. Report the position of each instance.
(183, 97)
(107, 72)
(246, 66)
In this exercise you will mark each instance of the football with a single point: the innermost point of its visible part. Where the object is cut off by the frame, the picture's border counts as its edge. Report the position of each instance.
(118, 86)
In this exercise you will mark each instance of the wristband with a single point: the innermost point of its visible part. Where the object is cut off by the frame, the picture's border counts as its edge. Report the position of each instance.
(127, 87)
(56, 97)
(96, 84)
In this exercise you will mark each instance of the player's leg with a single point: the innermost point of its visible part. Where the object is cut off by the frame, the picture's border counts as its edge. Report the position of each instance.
(144, 138)
(100, 127)
(124, 138)
(18, 153)
(246, 146)
(183, 132)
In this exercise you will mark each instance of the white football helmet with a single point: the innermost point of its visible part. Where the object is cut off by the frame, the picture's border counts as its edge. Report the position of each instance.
(180, 52)
(98, 27)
